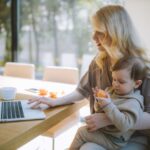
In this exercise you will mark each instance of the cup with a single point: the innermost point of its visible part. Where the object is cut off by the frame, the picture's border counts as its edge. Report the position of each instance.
(8, 93)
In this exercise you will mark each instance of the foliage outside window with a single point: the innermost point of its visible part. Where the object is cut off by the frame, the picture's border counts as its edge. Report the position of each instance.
(50, 27)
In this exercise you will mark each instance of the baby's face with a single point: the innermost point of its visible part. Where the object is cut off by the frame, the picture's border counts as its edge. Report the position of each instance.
(122, 82)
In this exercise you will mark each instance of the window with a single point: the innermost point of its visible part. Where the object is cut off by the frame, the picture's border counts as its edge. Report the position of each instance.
(5, 32)
(50, 28)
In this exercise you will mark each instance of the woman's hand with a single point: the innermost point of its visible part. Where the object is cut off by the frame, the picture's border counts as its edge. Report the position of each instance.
(36, 101)
(67, 99)
(97, 121)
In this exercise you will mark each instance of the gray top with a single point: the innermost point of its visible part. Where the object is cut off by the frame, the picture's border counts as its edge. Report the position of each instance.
(124, 111)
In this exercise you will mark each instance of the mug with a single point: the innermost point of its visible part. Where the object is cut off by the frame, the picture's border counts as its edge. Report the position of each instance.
(8, 93)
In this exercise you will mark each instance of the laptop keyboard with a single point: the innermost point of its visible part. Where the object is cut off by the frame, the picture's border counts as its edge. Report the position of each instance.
(11, 110)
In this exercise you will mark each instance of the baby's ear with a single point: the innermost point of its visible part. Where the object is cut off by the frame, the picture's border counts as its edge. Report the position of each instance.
(138, 83)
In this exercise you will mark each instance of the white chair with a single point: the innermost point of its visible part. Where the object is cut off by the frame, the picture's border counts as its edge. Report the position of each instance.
(22, 70)
(86, 60)
(68, 60)
(66, 75)
(61, 74)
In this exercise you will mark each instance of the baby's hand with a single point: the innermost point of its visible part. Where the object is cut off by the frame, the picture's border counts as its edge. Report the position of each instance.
(102, 102)
(101, 94)
(102, 97)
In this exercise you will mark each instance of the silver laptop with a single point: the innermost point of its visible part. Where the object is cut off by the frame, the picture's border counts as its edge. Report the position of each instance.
(18, 111)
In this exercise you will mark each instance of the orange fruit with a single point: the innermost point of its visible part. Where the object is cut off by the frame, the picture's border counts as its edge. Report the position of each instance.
(42, 92)
(101, 93)
(53, 95)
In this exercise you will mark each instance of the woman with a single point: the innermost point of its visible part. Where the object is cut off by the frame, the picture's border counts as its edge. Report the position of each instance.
(115, 38)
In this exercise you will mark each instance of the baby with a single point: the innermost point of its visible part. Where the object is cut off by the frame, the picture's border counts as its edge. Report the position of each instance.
(122, 103)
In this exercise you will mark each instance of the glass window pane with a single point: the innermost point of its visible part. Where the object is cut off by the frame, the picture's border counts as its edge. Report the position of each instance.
(5, 32)
(51, 28)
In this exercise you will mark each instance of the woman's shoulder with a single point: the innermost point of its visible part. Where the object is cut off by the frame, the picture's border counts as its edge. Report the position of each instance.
(94, 65)
(93, 62)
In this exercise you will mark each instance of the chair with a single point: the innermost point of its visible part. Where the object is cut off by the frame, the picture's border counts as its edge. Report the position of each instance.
(61, 74)
(66, 75)
(22, 70)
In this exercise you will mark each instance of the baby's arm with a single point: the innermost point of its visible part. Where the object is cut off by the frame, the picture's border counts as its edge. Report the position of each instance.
(126, 117)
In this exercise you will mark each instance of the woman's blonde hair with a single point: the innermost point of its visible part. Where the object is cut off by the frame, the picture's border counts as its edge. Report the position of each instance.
(119, 27)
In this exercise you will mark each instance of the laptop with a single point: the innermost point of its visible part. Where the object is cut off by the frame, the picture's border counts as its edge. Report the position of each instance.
(19, 111)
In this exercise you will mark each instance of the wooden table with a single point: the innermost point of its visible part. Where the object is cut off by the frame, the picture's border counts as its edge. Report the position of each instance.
(15, 134)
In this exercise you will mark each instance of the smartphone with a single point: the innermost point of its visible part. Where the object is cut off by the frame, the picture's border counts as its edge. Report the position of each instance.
(33, 90)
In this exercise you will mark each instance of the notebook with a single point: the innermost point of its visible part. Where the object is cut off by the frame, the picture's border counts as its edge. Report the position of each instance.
(18, 111)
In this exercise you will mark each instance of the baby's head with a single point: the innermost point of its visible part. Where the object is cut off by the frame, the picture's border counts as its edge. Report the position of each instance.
(128, 74)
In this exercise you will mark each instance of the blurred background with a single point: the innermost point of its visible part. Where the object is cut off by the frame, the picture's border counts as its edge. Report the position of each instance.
(57, 32)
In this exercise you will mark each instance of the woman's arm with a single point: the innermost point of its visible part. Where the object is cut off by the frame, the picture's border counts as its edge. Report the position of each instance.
(97, 121)
(70, 98)
(143, 122)
(67, 99)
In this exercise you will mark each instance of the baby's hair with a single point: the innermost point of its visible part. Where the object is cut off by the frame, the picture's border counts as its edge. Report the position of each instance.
(135, 65)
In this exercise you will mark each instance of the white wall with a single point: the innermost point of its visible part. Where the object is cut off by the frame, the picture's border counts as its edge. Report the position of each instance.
(139, 11)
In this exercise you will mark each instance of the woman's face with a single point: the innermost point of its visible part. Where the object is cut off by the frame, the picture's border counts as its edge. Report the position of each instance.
(101, 39)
